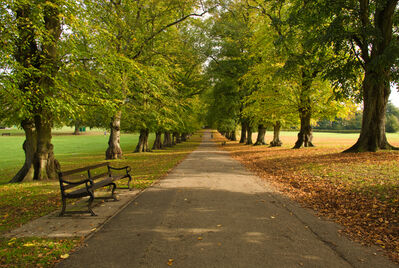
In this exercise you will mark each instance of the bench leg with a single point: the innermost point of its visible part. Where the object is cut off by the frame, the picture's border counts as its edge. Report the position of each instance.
(128, 182)
(113, 191)
(91, 199)
(63, 207)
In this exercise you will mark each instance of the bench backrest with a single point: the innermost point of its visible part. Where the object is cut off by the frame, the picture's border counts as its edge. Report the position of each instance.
(82, 173)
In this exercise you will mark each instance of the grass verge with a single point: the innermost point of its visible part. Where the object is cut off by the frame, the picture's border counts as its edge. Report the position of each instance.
(21, 203)
(360, 191)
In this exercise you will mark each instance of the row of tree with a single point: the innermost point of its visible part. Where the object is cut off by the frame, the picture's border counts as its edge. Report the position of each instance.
(286, 63)
(123, 65)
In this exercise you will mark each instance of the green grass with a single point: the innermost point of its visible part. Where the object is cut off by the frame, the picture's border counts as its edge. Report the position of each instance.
(23, 202)
(67, 149)
(34, 252)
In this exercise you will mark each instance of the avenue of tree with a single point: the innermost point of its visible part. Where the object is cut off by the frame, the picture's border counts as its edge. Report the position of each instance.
(172, 66)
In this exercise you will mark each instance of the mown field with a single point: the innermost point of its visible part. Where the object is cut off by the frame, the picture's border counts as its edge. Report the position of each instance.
(360, 191)
(23, 202)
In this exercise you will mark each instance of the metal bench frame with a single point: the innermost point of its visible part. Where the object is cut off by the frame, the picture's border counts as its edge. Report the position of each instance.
(91, 183)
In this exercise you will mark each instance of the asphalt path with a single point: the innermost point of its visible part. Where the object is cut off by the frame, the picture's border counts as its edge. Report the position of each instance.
(211, 212)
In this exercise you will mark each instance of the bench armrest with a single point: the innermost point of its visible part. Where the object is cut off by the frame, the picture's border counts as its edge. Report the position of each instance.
(128, 168)
(77, 182)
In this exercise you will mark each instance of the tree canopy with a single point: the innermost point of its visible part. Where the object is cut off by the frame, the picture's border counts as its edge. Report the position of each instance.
(170, 67)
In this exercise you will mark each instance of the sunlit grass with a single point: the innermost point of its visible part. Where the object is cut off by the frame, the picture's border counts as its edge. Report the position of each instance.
(23, 202)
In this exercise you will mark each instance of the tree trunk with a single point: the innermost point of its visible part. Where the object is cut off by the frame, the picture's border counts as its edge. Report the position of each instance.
(184, 137)
(158, 141)
(305, 111)
(114, 150)
(177, 137)
(305, 134)
(233, 136)
(377, 77)
(76, 131)
(167, 140)
(243, 138)
(276, 142)
(44, 155)
(249, 136)
(261, 135)
(142, 145)
(29, 146)
(375, 98)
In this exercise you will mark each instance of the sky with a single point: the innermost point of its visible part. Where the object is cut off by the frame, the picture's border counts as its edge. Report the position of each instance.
(394, 97)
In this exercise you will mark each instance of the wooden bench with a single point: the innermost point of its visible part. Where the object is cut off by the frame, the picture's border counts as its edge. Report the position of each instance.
(83, 182)
(6, 134)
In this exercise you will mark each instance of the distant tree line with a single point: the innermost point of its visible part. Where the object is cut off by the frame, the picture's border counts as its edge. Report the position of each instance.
(355, 122)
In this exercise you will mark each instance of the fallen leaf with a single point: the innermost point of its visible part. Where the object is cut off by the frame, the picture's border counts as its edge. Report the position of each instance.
(199, 238)
(64, 256)
(170, 262)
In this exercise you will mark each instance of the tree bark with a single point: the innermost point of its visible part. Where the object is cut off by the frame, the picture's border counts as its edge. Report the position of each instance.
(375, 98)
(305, 134)
(249, 136)
(276, 142)
(158, 141)
(261, 135)
(114, 150)
(142, 145)
(167, 140)
(44, 155)
(29, 146)
(305, 111)
(243, 137)
(76, 131)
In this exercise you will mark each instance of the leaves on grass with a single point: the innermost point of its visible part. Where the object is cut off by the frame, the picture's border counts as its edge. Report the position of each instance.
(170, 262)
(359, 191)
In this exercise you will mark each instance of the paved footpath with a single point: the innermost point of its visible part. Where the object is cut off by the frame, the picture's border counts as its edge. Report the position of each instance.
(211, 212)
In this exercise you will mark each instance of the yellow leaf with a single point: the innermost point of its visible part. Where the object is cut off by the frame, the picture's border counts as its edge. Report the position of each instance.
(65, 256)
(170, 262)
(29, 245)
(199, 238)
(219, 225)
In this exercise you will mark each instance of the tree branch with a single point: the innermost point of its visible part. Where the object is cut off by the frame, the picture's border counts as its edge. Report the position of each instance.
(153, 35)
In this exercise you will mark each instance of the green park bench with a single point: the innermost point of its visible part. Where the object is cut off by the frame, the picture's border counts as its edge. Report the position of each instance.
(73, 186)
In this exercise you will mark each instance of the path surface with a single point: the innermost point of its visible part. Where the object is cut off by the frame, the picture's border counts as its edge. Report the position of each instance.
(211, 212)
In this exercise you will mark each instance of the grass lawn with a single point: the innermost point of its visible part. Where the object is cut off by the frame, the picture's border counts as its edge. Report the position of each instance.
(358, 190)
(23, 202)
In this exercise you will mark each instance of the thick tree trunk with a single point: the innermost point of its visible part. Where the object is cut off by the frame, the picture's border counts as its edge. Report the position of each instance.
(29, 146)
(114, 150)
(243, 137)
(249, 136)
(167, 140)
(305, 134)
(44, 155)
(261, 135)
(158, 141)
(276, 142)
(142, 145)
(305, 111)
(375, 98)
